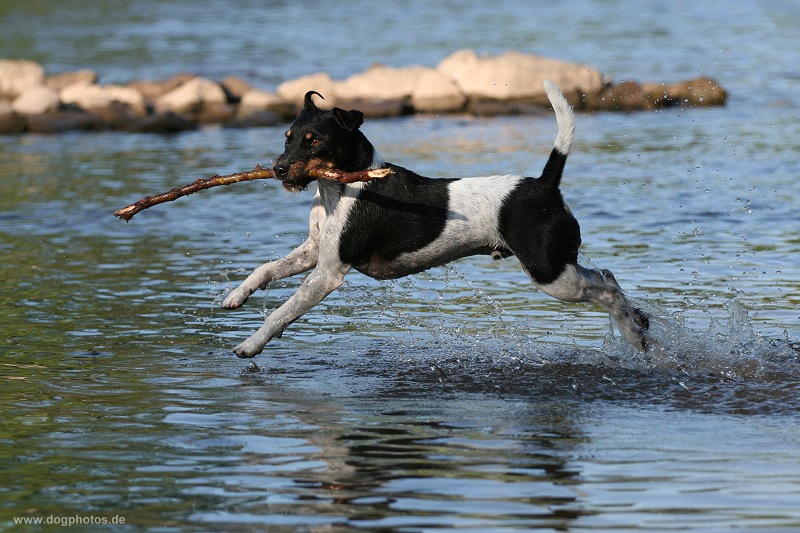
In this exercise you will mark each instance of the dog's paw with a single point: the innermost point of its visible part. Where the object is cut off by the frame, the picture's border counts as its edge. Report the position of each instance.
(610, 278)
(255, 344)
(236, 298)
(248, 350)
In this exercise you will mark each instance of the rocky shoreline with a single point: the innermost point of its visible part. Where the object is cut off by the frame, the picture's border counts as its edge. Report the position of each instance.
(464, 82)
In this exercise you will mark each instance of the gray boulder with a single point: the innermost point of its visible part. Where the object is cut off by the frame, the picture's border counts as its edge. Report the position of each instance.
(89, 96)
(516, 77)
(436, 93)
(380, 82)
(64, 79)
(151, 90)
(191, 97)
(18, 75)
(293, 91)
(36, 100)
(256, 101)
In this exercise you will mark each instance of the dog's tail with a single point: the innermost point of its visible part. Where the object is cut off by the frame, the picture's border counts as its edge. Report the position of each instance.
(566, 131)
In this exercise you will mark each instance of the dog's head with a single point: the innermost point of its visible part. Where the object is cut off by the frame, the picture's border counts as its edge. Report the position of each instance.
(324, 139)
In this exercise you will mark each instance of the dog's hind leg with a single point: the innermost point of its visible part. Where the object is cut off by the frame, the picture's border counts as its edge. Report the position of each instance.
(320, 283)
(301, 259)
(579, 284)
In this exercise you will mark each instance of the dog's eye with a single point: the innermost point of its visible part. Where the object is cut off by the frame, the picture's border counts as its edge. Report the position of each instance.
(312, 139)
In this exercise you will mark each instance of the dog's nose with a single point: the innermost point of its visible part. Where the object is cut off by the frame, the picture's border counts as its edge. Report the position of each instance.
(280, 171)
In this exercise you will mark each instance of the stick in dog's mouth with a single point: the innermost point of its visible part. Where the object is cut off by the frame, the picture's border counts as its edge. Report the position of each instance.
(259, 173)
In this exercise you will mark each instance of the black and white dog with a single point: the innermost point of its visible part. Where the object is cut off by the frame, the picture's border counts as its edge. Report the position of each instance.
(406, 223)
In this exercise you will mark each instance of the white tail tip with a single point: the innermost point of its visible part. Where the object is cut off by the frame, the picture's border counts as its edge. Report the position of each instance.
(564, 116)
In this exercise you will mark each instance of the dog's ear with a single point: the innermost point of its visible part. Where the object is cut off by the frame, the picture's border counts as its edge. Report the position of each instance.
(349, 120)
(308, 102)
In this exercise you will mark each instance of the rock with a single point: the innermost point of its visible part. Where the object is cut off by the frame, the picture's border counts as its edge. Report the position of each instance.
(436, 93)
(657, 94)
(64, 79)
(60, 121)
(36, 101)
(293, 91)
(18, 75)
(489, 108)
(257, 119)
(216, 113)
(235, 88)
(151, 90)
(380, 91)
(168, 122)
(518, 77)
(256, 101)
(10, 122)
(626, 96)
(380, 108)
(115, 116)
(697, 92)
(380, 82)
(191, 97)
(89, 96)
(509, 83)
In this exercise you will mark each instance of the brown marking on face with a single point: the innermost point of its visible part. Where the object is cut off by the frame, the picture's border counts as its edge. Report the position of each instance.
(318, 163)
(297, 176)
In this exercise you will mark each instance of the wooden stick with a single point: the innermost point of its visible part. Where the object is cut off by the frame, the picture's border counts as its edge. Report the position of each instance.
(127, 213)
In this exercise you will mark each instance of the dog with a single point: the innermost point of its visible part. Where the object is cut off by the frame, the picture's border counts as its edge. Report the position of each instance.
(405, 223)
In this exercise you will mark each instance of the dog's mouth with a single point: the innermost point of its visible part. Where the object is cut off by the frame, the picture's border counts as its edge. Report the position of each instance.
(300, 174)
(295, 186)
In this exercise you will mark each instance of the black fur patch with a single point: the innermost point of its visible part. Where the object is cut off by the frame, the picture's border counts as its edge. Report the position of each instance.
(394, 215)
(540, 231)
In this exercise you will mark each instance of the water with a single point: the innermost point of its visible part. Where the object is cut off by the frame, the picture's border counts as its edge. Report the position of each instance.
(456, 399)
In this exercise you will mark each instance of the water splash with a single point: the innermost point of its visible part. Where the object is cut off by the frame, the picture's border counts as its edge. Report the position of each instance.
(729, 346)
(722, 342)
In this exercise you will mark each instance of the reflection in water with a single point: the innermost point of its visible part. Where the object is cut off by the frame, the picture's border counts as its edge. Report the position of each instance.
(414, 465)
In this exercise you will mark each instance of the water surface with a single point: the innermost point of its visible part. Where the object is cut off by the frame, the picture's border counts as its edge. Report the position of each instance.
(456, 399)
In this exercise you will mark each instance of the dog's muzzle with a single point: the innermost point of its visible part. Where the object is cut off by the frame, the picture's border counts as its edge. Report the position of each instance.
(294, 177)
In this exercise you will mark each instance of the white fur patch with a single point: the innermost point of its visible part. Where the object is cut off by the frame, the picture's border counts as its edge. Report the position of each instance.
(337, 204)
(564, 116)
(472, 220)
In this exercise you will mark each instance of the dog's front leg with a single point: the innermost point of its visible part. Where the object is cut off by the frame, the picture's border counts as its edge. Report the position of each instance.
(320, 283)
(301, 259)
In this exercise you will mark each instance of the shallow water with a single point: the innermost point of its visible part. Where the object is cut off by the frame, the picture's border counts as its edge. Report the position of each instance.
(456, 399)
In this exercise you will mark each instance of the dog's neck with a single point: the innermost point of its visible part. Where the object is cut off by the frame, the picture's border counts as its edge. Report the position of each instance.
(363, 155)
(332, 191)
(377, 160)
